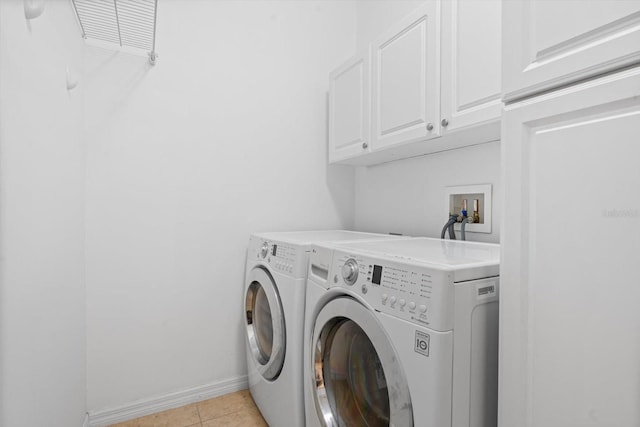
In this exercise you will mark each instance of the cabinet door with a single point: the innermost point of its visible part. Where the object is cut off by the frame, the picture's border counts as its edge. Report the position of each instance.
(471, 51)
(406, 83)
(349, 110)
(550, 43)
(569, 318)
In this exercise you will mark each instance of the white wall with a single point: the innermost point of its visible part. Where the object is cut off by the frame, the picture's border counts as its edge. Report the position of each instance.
(375, 16)
(42, 295)
(224, 136)
(408, 196)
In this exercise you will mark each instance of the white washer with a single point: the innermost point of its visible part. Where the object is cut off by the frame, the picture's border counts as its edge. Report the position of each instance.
(275, 283)
(402, 333)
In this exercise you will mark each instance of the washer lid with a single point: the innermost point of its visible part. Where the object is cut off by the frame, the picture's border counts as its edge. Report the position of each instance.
(265, 323)
(306, 238)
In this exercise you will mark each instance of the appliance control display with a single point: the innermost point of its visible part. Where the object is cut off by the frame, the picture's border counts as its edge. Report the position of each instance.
(274, 249)
(377, 274)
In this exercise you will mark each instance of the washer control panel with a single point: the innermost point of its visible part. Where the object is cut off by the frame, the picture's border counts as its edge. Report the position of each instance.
(415, 293)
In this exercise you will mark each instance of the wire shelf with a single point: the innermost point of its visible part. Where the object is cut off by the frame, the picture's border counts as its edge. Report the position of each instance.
(120, 23)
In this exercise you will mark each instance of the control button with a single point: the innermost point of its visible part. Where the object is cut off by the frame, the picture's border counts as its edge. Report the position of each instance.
(423, 308)
(384, 298)
(350, 271)
(412, 305)
(364, 289)
(392, 301)
(264, 250)
(335, 279)
(402, 302)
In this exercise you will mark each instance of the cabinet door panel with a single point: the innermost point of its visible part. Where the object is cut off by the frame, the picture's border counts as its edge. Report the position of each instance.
(571, 237)
(471, 52)
(550, 43)
(349, 110)
(405, 90)
(400, 103)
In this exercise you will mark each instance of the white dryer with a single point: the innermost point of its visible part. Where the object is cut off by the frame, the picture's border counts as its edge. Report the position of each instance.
(274, 298)
(402, 333)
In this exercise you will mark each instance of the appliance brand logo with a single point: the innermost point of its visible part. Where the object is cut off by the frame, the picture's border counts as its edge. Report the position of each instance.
(486, 290)
(621, 213)
(422, 343)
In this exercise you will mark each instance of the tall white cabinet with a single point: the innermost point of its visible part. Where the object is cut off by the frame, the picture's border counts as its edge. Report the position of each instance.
(570, 237)
(551, 43)
(570, 323)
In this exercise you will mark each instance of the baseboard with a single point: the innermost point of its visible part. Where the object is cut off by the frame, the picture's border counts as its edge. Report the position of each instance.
(162, 403)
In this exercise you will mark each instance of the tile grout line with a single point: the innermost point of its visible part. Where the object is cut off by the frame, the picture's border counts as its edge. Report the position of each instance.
(217, 416)
(244, 407)
(198, 411)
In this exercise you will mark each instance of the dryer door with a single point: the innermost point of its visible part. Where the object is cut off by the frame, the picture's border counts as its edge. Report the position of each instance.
(264, 321)
(358, 379)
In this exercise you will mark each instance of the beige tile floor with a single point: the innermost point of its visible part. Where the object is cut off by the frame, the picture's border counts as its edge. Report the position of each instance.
(231, 410)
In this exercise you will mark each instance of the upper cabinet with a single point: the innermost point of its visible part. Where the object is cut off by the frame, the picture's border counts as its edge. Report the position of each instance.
(432, 84)
(349, 115)
(471, 55)
(406, 84)
(551, 43)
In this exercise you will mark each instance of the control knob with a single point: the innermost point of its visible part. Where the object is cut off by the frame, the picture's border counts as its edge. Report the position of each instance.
(350, 271)
(264, 250)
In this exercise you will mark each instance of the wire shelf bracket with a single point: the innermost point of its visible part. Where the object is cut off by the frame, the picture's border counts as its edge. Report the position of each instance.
(121, 24)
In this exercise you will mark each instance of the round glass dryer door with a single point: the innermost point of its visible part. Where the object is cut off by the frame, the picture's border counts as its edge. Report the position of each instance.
(358, 380)
(264, 321)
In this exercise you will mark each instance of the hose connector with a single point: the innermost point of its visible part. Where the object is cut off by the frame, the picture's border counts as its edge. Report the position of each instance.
(453, 218)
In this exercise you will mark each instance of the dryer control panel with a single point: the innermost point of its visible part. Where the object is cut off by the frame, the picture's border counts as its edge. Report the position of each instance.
(417, 294)
(279, 256)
